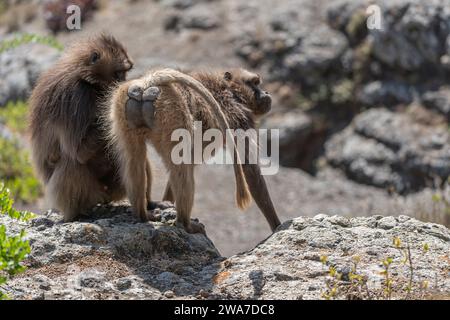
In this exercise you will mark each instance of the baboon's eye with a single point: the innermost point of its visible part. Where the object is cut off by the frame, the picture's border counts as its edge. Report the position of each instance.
(95, 56)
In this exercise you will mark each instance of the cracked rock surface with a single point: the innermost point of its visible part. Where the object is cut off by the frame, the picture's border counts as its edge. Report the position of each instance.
(111, 255)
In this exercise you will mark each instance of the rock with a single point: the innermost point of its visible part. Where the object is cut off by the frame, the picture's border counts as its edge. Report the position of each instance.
(135, 262)
(293, 47)
(412, 36)
(183, 4)
(315, 55)
(438, 100)
(382, 93)
(197, 18)
(391, 150)
(124, 284)
(56, 14)
(20, 68)
(169, 294)
(294, 128)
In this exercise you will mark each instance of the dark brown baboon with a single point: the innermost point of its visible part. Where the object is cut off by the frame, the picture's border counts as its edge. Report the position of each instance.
(68, 146)
(152, 107)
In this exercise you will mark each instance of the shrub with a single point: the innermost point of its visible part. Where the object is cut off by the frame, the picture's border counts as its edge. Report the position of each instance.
(25, 38)
(17, 173)
(14, 116)
(13, 248)
(354, 285)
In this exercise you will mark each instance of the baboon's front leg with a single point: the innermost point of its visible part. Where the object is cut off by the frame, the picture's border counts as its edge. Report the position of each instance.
(258, 189)
(183, 187)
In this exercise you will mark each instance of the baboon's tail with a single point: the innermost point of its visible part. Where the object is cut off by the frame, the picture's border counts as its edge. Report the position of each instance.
(167, 76)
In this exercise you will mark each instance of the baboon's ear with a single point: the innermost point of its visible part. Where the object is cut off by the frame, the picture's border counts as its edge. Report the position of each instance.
(227, 76)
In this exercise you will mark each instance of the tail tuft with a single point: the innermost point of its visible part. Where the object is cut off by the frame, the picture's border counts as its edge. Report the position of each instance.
(243, 197)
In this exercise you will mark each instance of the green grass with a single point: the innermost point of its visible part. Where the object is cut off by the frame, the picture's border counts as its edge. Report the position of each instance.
(21, 39)
(15, 168)
(17, 172)
(14, 116)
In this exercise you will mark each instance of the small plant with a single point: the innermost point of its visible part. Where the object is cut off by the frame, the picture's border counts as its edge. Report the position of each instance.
(342, 92)
(25, 38)
(17, 172)
(13, 249)
(353, 285)
(441, 201)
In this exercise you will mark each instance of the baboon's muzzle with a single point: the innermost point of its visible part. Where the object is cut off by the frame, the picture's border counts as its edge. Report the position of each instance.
(264, 102)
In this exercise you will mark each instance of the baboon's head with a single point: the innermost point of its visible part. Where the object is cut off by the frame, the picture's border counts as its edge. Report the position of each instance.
(246, 90)
(102, 60)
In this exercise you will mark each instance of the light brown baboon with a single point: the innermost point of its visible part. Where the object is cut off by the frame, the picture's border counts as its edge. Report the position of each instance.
(152, 107)
(69, 151)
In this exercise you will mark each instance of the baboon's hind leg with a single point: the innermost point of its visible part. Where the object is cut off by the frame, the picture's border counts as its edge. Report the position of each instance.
(182, 184)
(139, 112)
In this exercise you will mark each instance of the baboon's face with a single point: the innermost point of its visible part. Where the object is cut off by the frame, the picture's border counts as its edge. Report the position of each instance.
(106, 61)
(246, 88)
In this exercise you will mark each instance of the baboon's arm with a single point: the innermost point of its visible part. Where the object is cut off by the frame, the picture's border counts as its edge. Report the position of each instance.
(90, 145)
(75, 120)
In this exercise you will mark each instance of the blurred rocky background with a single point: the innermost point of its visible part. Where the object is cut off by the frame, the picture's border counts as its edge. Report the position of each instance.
(363, 112)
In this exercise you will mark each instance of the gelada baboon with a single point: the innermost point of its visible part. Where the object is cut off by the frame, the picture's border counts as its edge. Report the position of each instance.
(152, 107)
(69, 151)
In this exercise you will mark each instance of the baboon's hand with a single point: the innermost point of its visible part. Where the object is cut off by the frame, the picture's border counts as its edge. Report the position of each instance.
(140, 109)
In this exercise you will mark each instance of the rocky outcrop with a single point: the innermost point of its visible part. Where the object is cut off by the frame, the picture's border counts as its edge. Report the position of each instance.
(189, 15)
(202, 19)
(20, 68)
(391, 150)
(295, 130)
(438, 100)
(112, 255)
(347, 65)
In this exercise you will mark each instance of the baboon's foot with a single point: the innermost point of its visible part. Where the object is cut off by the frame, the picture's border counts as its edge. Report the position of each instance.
(152, 217)
(193, 227)
(196, 227)
(140, 108)
(162, 205)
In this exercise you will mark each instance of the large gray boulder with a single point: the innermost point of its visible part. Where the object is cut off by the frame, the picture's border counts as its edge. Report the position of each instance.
(20, 67)
(112, 256)
(413, 34)
(391, 150)
(295, 128)
(438, 100)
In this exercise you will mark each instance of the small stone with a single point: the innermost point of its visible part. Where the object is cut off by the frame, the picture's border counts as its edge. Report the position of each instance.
(203, 293)
(91, 279)
(169, 294)
(42, 222)
(320, 217)
(387, 223)
(123, 284)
